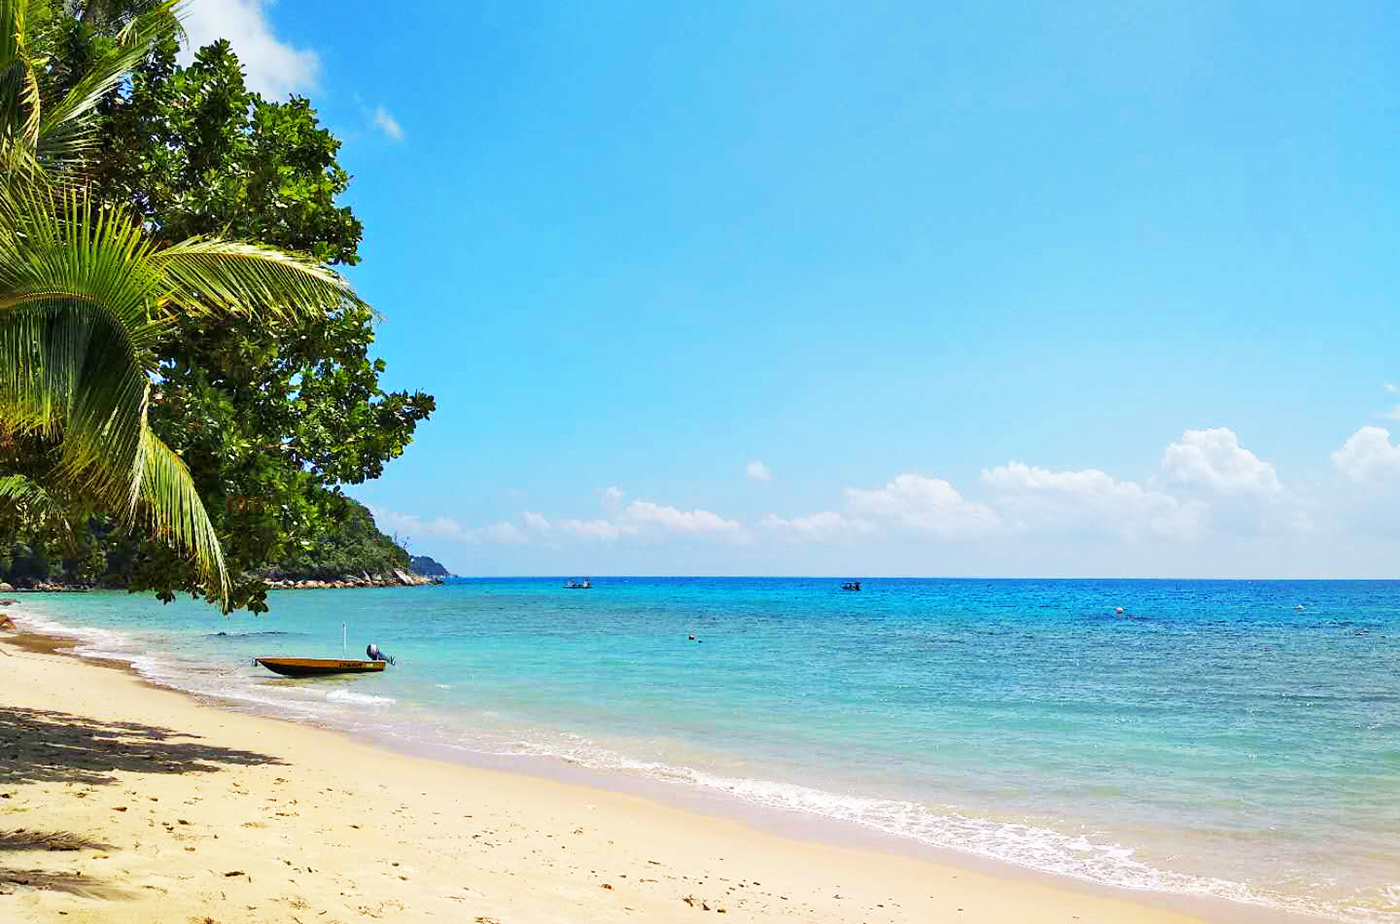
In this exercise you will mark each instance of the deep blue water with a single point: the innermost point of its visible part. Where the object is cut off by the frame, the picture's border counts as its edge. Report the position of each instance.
(1233, 738)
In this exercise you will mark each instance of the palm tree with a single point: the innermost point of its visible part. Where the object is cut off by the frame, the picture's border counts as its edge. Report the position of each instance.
(86, 296)
(51, 140)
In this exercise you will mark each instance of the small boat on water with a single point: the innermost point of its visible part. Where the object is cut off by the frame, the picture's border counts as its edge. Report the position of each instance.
(851, 585)
(319, 667)
(585, 584)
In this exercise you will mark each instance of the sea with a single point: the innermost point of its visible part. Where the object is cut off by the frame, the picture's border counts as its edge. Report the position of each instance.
(1234, 739)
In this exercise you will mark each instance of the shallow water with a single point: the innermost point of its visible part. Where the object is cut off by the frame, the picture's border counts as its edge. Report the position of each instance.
(1215, 739)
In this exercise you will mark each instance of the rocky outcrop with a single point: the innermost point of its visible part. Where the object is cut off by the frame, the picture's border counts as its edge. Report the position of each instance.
(32, 586)
(425, 565)
(394, 579)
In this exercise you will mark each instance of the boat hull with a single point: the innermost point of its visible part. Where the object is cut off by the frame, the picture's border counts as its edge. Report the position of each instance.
(319, 667)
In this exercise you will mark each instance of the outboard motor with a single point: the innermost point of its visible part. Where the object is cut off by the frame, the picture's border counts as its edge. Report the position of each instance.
(374, 654)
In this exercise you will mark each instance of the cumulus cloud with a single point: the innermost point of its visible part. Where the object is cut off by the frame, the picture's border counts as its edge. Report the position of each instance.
(1038, 498)
(642, 513)
(1368, 457)
(638, 517)
(818, 526)
(927, 504)
(414, 526)
(387, 123)
(1207, 485)
(1214, 461)
(595, 529)
(503, 531)
(757, 471)
(273, 68)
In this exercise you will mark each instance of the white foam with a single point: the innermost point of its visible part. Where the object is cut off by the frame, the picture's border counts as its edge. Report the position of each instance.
(345, 696)
(1043, 849)
(93, 643)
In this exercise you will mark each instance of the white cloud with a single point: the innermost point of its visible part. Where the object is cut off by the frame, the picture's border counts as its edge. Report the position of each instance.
(273, 68)
(1392, 389)
(409, 525)
(695, 522)
(1368, 456)
(387, 123)
(595, 529)
(929, 504)
(1037, 498)
(1214, 461)
(503, 531)
(636, 517)
(818, 526)
(1208, 487)
(757, 471)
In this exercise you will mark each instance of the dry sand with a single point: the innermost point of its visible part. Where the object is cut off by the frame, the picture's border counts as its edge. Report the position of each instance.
(124, 803)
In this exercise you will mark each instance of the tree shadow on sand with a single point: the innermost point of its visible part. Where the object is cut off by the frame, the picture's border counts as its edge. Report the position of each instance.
(49, 881)
(46, 746)
(57, 841)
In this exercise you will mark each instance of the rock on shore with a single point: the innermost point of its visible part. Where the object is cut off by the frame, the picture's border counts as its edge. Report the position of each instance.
(394, 578)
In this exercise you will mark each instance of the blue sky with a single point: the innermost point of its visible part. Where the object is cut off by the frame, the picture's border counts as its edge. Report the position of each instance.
(1146, 252)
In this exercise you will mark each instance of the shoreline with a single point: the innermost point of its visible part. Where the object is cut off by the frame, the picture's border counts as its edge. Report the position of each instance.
(980, 888)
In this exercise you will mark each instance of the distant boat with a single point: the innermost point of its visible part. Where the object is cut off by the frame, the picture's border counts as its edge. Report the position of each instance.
(571, 584)
(851, 585)
(319, 667)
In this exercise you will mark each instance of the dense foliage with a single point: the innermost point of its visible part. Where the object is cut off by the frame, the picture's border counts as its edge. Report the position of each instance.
(349, 546)
(354, 547)
(270, 422)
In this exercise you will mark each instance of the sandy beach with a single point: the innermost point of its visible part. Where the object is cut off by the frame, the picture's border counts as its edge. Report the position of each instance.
(120, 802)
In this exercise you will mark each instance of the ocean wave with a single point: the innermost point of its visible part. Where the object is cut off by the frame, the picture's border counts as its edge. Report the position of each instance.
(1029, 846)
(346, 696)
(91, 642)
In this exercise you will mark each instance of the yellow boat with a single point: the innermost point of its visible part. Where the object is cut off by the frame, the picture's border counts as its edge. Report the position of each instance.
(319, 667)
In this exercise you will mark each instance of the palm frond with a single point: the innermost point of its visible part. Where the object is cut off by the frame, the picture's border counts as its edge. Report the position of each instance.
(33, 502)
(174, 512)
(164, 17)
(210, 273)
(19, 84)
(65, 134)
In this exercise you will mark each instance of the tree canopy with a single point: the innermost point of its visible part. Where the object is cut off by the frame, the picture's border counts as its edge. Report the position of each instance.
(270, 421)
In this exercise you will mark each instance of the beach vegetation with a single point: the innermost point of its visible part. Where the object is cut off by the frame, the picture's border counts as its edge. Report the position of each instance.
(246, 394)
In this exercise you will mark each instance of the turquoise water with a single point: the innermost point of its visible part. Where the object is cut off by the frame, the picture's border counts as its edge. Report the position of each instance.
(1236, 739)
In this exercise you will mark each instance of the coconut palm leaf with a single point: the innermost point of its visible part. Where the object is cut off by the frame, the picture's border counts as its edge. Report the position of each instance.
(175, 513)
(85, 298)
(19, 84)
(205, 274)
(53, 142)
(31, 499)
(65, 133)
